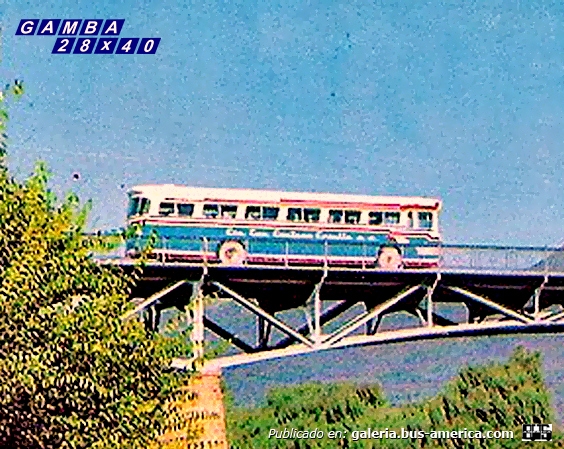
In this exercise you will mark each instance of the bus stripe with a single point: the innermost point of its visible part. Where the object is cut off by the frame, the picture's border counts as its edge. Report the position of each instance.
(205, 223)
(255, 257)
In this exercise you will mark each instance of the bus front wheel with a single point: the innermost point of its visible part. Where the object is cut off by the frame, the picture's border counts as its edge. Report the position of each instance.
(232, 253)
(389, 258)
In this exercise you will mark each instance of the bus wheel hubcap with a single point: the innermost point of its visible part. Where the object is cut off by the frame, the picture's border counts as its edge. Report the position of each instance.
(389, 258)
(232, 253)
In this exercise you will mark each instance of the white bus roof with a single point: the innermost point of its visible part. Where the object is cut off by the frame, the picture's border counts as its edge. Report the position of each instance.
(179, 192)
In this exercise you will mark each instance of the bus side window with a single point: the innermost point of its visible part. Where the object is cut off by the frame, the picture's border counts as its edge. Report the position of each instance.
(166, 209)
(252, 213)
(294, 214)
(352, 217)
(335, 216)
(228, 211)
(270, 213)
(425, 220)
(211, 211)
(311, 215)
(375, 218)
(185, 210)
(392, 218)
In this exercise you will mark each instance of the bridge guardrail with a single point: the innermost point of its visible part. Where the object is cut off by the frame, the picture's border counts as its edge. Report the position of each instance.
(451, 256)
(511, 258)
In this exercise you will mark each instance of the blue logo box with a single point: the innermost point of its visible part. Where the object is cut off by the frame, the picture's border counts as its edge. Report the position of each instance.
(106, 46)
(88, 36)
(70, 27)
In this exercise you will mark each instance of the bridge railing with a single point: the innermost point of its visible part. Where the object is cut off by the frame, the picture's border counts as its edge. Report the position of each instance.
(493, 257)
(451, 256)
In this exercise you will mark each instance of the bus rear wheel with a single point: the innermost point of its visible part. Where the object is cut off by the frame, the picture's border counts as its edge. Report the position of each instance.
(389, 258)
(232, 253)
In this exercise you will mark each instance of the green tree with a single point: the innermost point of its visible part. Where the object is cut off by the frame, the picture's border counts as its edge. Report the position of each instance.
(73, 373)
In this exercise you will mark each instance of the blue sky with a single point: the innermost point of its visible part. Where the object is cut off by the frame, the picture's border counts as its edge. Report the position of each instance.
(460, 100)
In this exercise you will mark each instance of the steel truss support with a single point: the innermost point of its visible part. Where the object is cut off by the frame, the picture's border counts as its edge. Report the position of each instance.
(152, 318)
(317, 330)
(264, 329)
(195, 316)
(431, 317)
(367, 316)
(536, 299)
(261, 313)
(373, 324)
(438, 320)
(555, 318)
(151, 300)
(419, 312)
(137, 301)
(326, 317)
(313, 334)
(492, 305)
(429, 299)
(228, 336)
(315, 326)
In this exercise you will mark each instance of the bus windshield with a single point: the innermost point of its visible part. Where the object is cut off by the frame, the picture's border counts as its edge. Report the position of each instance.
(138, 206)
(133, 206)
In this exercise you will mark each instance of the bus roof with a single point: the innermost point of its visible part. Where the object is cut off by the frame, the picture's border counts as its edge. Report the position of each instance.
(179, 192)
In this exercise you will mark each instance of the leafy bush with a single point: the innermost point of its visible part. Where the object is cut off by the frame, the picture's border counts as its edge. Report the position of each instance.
(493, 397)
(73, 373)
(325, 407)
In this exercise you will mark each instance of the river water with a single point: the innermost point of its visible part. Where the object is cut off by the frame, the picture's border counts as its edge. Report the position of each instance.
(407, 371)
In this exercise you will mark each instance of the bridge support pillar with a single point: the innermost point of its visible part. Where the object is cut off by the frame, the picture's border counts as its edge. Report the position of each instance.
(209, 399)
(204, 407)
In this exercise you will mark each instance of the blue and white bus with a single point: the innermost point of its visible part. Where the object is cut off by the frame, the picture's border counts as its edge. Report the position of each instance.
(241, 227)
